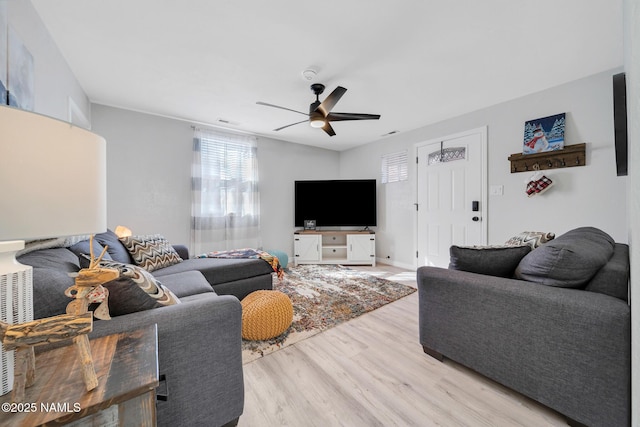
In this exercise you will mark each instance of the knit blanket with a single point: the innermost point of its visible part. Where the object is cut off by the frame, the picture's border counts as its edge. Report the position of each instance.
(248, 253)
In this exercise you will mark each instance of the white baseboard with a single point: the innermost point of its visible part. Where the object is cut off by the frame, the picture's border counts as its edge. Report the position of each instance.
(395, 264)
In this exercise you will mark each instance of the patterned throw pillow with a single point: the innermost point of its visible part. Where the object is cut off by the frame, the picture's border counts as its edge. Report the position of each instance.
(530, 238)
(135, 290)
(151, 252)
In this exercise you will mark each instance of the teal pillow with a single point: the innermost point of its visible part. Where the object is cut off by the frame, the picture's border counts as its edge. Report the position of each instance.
(282, 257)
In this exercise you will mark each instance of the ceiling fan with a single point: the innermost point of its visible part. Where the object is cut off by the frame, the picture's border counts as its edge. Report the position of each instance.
(320, 114)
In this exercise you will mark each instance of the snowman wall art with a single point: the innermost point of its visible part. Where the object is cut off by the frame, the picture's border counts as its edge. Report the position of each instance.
(545, 134)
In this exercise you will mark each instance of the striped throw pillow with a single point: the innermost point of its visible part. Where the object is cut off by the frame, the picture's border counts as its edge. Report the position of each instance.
(151, 252)
(530, 238)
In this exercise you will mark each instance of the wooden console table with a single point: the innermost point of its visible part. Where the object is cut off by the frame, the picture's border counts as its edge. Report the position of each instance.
(127, 368)
(349, 247)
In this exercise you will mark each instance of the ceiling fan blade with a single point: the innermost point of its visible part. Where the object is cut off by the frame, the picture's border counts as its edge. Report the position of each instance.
(337, 117)
(328, 129)
(282, 108)
(331, 100)
(292, 124)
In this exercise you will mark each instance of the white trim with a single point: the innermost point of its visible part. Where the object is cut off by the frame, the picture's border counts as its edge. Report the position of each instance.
(396, 264)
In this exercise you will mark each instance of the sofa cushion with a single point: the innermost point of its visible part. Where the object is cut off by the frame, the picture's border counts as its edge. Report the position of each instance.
(84, 247)
(220, 270)
(568, 261)
(530, 238)
(115, 248)
(613, 278)
(500, 261)
(151, 252)
(51, 268)
(123, 299)
(187, 283)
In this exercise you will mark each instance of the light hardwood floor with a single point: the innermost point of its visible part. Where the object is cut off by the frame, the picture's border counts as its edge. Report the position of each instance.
(371, 371)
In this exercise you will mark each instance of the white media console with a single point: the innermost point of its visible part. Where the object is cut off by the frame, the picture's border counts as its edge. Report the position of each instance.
(334, 247)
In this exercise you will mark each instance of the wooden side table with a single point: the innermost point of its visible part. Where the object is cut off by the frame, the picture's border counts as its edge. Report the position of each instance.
(127, 368)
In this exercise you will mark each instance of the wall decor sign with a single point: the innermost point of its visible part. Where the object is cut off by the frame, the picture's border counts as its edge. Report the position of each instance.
(3, 53)
(544, 134)
(20, 73)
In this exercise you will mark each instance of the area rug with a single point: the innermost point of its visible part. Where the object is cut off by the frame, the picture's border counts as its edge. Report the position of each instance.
(324, 296)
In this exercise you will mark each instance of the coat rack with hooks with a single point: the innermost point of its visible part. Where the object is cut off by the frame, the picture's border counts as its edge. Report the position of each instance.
(571, 155)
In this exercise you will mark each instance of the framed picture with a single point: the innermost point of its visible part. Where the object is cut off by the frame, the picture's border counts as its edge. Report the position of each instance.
(20, 73)
(309, 224)
(4, 42)
(544, 134)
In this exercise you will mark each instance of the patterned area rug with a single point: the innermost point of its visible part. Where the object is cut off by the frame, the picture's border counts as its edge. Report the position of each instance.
(324, 296)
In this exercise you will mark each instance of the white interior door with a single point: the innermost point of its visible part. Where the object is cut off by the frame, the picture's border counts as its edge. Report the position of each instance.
(451, 195)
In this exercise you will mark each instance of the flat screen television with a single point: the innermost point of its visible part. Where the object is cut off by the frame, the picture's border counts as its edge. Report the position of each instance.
(336, 203)
(620, 122)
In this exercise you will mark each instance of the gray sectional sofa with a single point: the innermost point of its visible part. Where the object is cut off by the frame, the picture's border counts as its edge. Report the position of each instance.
(199, 339)
(556, 328)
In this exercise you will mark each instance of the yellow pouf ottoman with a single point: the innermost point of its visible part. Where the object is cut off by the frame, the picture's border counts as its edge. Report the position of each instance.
(265, 314)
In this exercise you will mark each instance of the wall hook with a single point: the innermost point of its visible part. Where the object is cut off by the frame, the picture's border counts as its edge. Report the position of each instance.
(549, 160)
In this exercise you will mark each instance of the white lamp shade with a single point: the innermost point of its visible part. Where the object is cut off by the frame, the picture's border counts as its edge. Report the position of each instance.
(52, 178)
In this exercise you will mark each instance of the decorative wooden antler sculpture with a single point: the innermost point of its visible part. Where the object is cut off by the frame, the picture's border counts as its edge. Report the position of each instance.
(88, 288)
(23, 337)
(76, 324)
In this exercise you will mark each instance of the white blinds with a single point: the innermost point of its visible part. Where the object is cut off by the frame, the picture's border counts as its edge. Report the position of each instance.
(395, 167)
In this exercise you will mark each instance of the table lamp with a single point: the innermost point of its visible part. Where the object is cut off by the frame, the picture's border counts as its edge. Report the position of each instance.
(52, 184)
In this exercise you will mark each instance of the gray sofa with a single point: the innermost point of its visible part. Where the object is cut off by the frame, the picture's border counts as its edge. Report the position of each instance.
(556, 329)
(199, 339)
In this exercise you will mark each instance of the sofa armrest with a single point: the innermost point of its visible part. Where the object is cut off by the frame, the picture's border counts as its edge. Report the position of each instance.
(182, 250)
(566, 348)
(199, 352)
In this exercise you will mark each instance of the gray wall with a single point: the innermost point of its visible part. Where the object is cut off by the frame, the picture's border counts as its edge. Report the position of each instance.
(149, 169)
(591, 195)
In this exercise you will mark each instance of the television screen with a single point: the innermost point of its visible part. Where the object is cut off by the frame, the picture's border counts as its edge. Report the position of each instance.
(620, 122)
(336, 203)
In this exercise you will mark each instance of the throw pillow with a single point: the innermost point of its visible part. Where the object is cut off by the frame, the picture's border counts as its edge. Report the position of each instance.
(84, 247)
(135, 290)
(530, 238)
(569, 261)
(499, 261)
(115, 248)
(151, 252)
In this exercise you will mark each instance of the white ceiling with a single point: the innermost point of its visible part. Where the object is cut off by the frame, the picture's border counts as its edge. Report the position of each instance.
(415, 62)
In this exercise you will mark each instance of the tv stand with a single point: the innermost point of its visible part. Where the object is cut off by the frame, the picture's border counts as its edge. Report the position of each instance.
(348, 247)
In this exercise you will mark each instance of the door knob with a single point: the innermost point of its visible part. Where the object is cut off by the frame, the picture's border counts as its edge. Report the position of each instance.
(475, 218)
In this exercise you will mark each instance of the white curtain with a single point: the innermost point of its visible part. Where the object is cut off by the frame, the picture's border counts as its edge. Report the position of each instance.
(225, 198)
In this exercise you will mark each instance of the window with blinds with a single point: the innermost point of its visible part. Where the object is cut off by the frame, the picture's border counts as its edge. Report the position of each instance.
(228, 177)
(395, 167)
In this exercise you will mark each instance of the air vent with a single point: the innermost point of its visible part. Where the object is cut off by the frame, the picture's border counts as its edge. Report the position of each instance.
(390, 133)
(227, 122)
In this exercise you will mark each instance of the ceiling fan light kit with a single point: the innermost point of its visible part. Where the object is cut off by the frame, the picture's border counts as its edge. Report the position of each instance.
(320, 114)
(316, 120)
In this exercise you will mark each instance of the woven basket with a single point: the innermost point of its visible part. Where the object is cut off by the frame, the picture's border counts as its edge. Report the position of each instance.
(265, 314)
